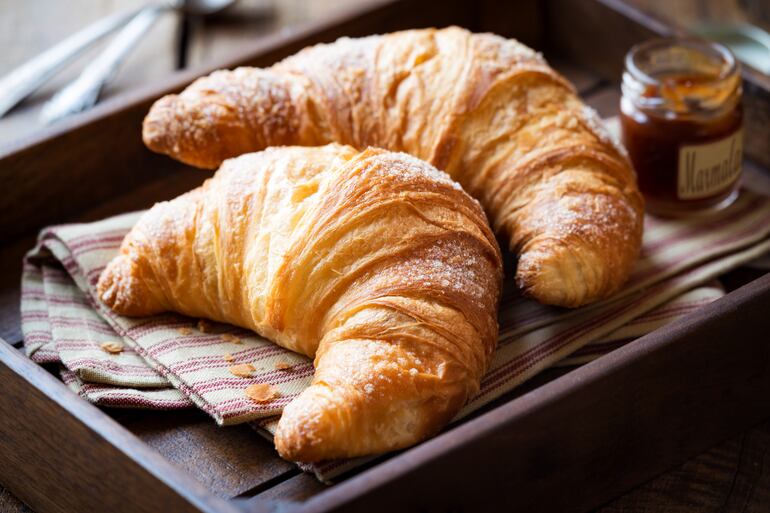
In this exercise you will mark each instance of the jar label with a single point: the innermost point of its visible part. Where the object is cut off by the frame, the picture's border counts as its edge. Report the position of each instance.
(707, 169)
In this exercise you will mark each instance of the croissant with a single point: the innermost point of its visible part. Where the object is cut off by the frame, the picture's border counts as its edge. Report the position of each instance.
(487, 110)
(374, 263)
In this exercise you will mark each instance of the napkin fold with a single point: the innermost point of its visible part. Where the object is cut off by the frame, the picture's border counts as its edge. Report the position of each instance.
(171, 361)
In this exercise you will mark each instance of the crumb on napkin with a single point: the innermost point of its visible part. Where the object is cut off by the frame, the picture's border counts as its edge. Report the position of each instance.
(242, 370)
(112, 347)
(261, 392)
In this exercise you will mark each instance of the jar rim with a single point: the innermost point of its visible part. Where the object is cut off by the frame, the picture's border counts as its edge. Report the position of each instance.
(729, 62)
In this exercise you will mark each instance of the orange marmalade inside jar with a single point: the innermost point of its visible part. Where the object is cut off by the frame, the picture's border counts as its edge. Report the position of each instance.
(682, 119)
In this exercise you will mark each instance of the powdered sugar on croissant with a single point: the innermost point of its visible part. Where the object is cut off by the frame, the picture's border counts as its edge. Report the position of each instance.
(487, 110)
(375, 263)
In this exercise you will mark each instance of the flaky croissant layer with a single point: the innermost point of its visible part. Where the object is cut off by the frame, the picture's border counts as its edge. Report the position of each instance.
(487, 110)
(375, 263)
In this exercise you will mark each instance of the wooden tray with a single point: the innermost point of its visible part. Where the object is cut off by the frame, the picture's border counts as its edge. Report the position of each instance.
(566, 441)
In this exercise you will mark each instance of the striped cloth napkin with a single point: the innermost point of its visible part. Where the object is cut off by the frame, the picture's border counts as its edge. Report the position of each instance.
(170, 361)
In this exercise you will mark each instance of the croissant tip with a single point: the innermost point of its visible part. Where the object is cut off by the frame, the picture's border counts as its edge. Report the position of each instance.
(544, 278)
(105, 287)
(294, 446)
(155, 126)
(556, 282)
(161, 133)
(119, 290)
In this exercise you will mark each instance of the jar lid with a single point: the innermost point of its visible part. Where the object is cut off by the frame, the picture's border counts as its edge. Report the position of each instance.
(681, 74)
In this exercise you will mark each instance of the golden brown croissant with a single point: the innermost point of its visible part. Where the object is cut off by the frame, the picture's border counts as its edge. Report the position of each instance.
(487, 110)
(375, 263)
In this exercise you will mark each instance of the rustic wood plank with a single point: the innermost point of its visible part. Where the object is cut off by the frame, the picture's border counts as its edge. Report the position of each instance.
(74, 165)
(731, 477)
(215, 38)
(576, 30)
(750, 486)
(653, 498)
(295, 489)
(59, 453)
(229, 461)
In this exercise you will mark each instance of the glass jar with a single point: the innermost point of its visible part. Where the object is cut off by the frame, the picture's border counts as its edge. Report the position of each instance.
(682, 119)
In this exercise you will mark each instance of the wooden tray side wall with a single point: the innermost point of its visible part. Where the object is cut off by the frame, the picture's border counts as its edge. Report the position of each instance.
(59, 453)
(588, 436)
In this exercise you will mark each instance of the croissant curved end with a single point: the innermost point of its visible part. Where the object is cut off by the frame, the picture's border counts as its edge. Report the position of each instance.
(315, 426)
(155, 133)
(174, 126)
(355, 419)
(558, 274)
(555, 277)
(121, 288)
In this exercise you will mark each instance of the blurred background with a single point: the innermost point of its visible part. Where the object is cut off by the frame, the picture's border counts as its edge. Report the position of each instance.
(28, 27)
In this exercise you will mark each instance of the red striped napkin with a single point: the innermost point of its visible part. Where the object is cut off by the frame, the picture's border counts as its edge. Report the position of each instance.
(163, 360)
(170, 361)
(645, 323)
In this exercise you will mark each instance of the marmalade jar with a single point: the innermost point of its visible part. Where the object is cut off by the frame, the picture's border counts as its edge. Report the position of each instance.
(682, 119)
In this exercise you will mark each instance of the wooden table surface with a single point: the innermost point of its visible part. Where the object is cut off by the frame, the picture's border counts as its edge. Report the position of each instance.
(731, 477)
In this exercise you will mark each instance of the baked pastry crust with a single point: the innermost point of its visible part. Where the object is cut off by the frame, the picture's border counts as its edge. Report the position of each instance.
(487, 110)
(374, 263)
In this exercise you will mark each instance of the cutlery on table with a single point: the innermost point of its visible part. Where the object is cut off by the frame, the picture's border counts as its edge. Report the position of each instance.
(83, 92)
(28, 77)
